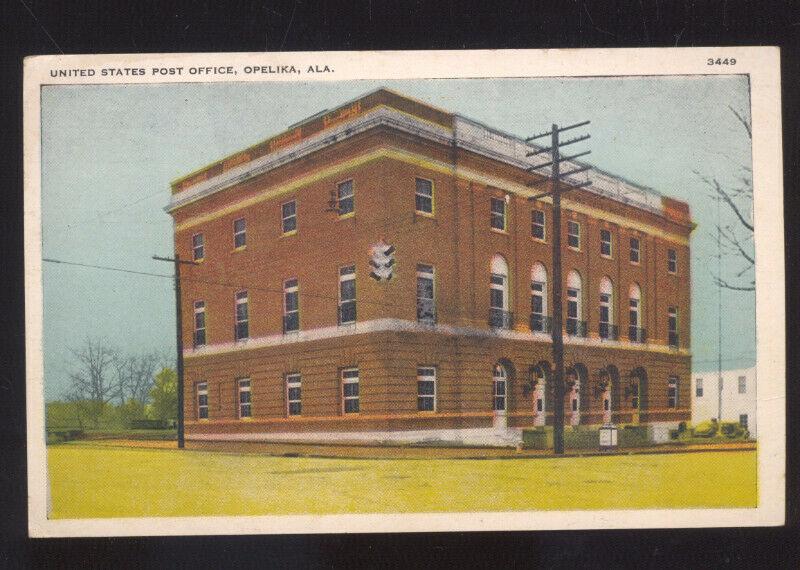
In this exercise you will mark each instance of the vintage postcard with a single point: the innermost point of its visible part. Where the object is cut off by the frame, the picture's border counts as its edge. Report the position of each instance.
(404, 291)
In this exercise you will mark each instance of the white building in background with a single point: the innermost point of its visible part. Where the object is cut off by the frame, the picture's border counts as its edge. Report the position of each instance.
(738, 400)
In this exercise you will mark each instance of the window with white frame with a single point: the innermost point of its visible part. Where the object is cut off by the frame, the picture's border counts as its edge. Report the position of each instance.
(198, 247)
(635, 331)
(245, 410)
(426, 302)
(426, 389)
(423, 196)
(293, 395)
(498, 214)
(350, 395)
(202, 400)
(605, 243)
(742, 384)
(347, 294)
(573, 234)
(698, 387)
(242, 330)
(239, 233)
(672, 392)
(539, 321)
(538, 229)
(199, 323)
(499, 315)
(635, 252)
(607, 329)
(672, 326)
(672, 261)
(345, 197)
(574, 305)
(289, 217)
(499, 385)
(291, 306)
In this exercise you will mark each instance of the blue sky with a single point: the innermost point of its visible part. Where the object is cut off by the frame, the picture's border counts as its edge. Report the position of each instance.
(109, 153)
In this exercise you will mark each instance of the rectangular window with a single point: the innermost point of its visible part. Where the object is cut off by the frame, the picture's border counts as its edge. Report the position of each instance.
(289, 217)
(672, 261)
(743, 384)
(202, 400)
(538, 323)
(743, 420)
(538, 224)
(198, 247)
(498, 214)
(350, 390)
(242, 330)
(293, 405)
(239, 233)
(244, 398)
(672, 392)
(426, 303)
(635, 253)
(291, 306)
(347, 295)
(573, 234)
(424, 196)
(426, 389)
(698, 387)
(345, 198)
(199, 323)
(672, 323)
(605, 243)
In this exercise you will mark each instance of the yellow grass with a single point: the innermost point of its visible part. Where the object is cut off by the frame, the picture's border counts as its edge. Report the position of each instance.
(94, 481)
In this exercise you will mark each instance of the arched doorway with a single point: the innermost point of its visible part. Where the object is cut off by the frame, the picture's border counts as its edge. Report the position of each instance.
(539, 376)
(577, 380)
(608, 391)
(636, 393)
(502, 375)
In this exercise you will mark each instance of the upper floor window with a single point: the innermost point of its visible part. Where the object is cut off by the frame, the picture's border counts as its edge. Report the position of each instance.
(498, 214)
(426, 302)
(199, 323)
(573, 234)
(293, 395)
(347, 294)
(672, 392)
(424, 196)
(244, 398)
(242, 330)
(635, 330)
(350, 392)
(426, 389)
(605, 243)
(499, 315)
(291, 306)
(345, 197)
(698, 387)
(672, 261)
(575, 325)
(289, 217)
(635, 251)
(538, 225)
(742, 384)
(672, 326)
(607, 329)
(198, 247)
(539, 320)
(202, 400)
(239, 233)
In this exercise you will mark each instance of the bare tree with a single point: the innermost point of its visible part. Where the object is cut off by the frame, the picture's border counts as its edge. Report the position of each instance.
(135, 375)
(735, 238)
(93, 383)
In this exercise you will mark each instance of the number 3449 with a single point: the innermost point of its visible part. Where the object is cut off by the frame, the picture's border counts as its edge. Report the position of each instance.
(721, 61)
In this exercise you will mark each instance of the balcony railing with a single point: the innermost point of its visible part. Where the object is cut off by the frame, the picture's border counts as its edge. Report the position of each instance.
(541, 323)
(637, 334)
(609, 331)
(576, 327)
(673, 340)
(500, 319)
(347, 313)
(426, 311)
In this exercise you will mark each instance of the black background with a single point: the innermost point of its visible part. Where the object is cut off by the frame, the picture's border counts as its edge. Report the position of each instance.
(29, 27)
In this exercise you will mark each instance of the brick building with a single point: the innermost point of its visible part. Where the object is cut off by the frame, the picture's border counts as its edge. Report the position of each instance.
(289, 337)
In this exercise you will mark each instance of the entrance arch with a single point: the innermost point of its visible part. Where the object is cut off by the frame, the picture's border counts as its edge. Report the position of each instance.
(502, 375)
(540, 375)
(636, 393)
(577, 381)
(608, 392)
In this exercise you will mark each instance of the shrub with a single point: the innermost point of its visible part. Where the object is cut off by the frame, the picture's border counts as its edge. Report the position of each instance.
(732, 429)
(707, 428)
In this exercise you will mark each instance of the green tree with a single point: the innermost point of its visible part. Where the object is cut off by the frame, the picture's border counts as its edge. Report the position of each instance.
(164, 395)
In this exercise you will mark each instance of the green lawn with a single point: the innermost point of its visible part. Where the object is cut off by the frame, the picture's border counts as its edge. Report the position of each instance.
(88, 480)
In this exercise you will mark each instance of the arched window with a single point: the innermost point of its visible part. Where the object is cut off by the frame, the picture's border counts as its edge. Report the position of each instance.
(538, 378)
(575, 324)
(607, 328)
(635, 331)
(499, 315)
(539, 320)
(499, 387)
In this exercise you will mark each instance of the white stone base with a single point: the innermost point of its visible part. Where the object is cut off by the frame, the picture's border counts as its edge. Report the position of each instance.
(659, 431)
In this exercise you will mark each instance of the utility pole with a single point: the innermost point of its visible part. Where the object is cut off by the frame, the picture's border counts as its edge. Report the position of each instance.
(177, 261)
(556, 189)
